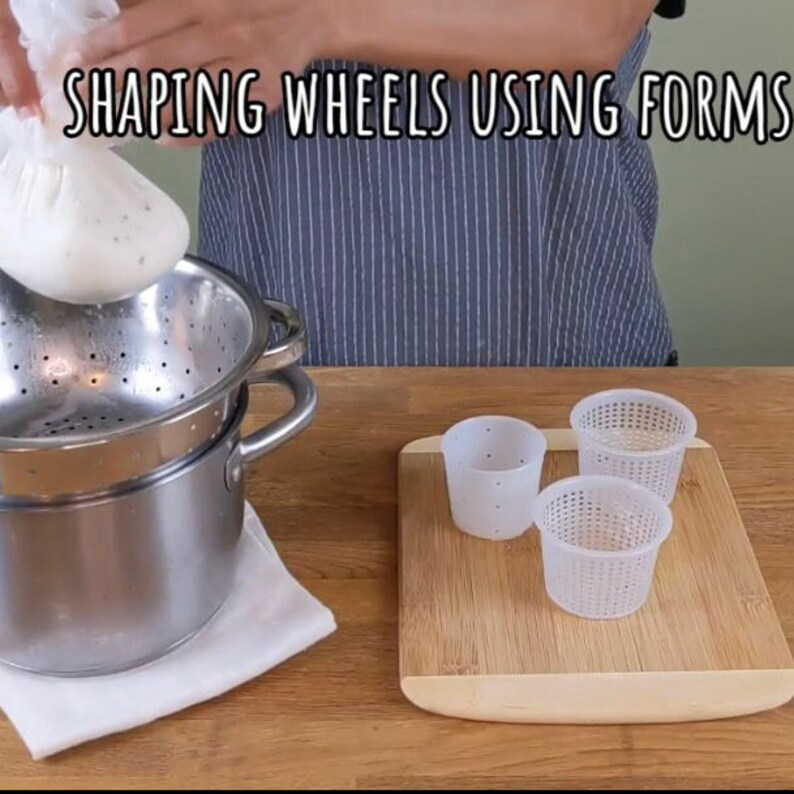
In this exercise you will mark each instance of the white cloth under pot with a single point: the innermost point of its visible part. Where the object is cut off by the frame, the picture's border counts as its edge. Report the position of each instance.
(268, 618)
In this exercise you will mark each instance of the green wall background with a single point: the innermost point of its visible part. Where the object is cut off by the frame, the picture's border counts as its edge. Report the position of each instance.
(725, 250)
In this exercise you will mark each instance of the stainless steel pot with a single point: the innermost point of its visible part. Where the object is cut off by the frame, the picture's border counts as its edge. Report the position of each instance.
(101, 585)
(96, 396)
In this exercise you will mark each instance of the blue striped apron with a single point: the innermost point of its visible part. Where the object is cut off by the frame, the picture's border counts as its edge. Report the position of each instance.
(448, 252)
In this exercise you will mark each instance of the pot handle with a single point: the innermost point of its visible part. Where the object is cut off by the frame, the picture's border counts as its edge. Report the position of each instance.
(280, 431)
(292, 346)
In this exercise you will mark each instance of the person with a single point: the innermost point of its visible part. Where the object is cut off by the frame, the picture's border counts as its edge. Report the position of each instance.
(421, 252)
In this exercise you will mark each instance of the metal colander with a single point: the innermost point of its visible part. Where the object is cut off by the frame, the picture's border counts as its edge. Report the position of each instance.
(95, 396)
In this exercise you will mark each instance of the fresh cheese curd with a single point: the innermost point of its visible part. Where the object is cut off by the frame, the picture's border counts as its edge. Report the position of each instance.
(88, 230)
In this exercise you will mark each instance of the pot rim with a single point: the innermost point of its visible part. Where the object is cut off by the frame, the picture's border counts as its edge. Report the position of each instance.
(164, 476)
(260, 337)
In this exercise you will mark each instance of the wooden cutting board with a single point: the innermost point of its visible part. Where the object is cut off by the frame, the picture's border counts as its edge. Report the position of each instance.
(480, 640)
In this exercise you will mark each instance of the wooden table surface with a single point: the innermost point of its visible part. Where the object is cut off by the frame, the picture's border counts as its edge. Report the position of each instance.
(334, 717)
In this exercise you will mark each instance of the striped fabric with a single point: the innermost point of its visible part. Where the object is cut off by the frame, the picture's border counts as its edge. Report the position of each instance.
(451, 252)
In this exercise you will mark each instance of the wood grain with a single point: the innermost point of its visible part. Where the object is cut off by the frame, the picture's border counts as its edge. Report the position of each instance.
(335, 717)
(479, 639)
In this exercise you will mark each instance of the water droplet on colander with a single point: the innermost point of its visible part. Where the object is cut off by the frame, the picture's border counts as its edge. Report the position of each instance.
(58, 369)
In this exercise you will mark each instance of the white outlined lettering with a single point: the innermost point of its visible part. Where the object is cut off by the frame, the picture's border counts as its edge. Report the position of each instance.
(707, 88)
(783, 106)
(747, 113)
(337, 117)
(136, 106)
(180, 127)
(390, 102)
(648, 103)
(606, 118)
(364, 104)
(215, 101)
(566, 105)
(568, 108)
(101, 122)
(415, 130)
(395, 104)
(676, 107)
(76, 103)
(514, 109)
(478, 128)
(534, 83)
(159, 97)
(251, 116)
(719, 110)
(438, 81)
(131, 119)
(364, 100)
(300, 104)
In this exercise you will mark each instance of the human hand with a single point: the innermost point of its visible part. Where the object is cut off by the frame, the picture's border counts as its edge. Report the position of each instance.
(17, 83)
(271, 36)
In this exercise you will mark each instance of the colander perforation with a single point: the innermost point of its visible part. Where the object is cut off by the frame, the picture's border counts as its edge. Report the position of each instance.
(81, 379)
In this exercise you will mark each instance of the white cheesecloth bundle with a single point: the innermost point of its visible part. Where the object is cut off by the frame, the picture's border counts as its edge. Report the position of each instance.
(77, 222)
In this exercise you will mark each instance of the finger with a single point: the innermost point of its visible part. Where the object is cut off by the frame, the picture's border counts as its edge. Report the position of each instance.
(16, 78)
(187, 48)
(138, 25)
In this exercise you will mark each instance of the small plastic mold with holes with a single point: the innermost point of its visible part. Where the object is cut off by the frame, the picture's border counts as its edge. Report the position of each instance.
(493, 467)
(634, 434)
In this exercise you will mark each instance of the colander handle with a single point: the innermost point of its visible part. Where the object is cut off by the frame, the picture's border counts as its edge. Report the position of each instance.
(292, 346)
(269, 438)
